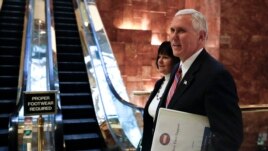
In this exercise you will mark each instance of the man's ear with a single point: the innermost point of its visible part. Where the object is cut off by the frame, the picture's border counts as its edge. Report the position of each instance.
(202, 35)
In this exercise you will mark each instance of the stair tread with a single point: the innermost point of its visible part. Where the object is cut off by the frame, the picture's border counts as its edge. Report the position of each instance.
(76, 107)
(76, 82)
(81, 136)
(4, 131)
(7, 101)
(79, 121)
(4, 115)
(74, 94)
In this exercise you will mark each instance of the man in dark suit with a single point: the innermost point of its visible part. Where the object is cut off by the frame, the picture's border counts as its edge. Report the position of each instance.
(205, 87)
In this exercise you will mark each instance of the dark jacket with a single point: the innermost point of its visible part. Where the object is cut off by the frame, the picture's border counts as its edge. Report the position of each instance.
(148, 124)
(209, 89)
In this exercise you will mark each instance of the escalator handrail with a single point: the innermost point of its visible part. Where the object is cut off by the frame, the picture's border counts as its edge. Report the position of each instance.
(112, 89)
(88, 40)
(49, 46)
(26, 50)
(52, 65)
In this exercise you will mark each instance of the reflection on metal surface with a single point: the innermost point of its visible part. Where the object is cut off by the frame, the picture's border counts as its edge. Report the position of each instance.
(36, 133)
(108, 91)
(28, 132)
(38, 77)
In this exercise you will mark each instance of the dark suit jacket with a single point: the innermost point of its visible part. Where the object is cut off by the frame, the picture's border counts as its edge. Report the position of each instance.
(208, 89)
(148, 120)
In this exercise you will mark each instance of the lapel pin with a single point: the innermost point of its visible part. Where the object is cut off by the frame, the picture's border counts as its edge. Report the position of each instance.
(185, 82)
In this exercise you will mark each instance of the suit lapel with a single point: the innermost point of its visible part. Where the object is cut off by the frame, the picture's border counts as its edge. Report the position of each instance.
(188, 79)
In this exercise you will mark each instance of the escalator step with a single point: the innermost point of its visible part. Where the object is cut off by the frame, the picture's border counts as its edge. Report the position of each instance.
(62, 3)
(4, 118)
(10, 70)
(69, 40)
(10, 41)
(11, 26)
(9, 60)
(10, 93)
(8, 81)
(75, 98)
(68, 33)
(9, 50)
(65, 26)
(78, 121)
(10, 11)
(64, 14)
(70, 127)
(78, 113)
(74, 57)
(73, 76)
(83, 142)
(4, 148)
(13, 3)
(71, 66)
(10, 19)
(3, 138)
(67, 48)
(7, 106)
(74, 87)
(10, 33)
(65, 20)
(77, 107)
(64, 8)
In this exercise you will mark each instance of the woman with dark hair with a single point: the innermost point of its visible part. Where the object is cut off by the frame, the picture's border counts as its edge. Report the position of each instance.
(165, 61)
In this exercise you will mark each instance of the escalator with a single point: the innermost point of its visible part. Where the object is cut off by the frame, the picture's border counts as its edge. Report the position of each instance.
(80, 126)
(11, 31)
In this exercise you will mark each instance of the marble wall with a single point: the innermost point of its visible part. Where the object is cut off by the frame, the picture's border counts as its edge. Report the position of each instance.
(244, 44)
(243, 49)
(237, 37)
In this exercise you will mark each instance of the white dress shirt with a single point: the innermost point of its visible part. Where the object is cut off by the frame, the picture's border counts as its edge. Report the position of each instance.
(187, 63)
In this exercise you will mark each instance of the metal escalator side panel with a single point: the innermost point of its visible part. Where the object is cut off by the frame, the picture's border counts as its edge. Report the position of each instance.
(35, 55)
(109, 90)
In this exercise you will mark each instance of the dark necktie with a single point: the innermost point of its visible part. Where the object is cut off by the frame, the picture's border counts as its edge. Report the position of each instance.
(172, 89)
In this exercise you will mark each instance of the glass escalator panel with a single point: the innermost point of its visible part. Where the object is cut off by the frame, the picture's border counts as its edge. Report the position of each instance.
(33, 126)
(110, 97)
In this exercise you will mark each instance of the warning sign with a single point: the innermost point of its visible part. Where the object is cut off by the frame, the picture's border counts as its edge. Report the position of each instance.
(39, 102)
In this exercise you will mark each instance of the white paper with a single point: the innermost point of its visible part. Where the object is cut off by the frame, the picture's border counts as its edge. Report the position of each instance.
(180, 131)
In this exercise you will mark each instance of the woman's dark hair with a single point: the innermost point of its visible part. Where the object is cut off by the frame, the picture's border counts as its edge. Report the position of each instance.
(165, 49)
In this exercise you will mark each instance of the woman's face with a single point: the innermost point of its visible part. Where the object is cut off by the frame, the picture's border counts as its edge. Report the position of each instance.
(164, 64)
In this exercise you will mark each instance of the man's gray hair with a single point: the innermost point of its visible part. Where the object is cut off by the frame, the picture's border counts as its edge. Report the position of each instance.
(198, 20)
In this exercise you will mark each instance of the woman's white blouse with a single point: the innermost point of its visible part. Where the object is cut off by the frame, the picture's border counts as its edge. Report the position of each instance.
(153, 105)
